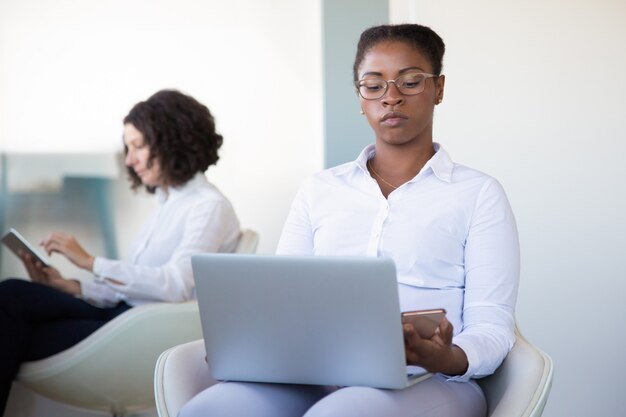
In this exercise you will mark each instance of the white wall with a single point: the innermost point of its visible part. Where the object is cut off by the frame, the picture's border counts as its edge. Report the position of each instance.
(70, 71)
(535, 96)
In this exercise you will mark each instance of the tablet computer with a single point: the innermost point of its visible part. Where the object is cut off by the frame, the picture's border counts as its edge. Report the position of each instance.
(14, 241)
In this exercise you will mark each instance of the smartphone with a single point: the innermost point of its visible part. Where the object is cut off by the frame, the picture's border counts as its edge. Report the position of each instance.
(424, 321)
(14, 241)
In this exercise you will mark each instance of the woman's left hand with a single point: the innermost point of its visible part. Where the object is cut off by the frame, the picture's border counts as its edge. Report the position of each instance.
(48, 275)
(436, 354)
(67, 245)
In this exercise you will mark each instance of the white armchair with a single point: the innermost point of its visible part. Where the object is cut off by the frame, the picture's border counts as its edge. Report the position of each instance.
(521, 385)
(112, 370)
(181, 372)
(519, 388)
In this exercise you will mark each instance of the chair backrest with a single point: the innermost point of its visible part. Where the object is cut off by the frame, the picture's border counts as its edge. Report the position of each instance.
(521, 385)
(248, 241)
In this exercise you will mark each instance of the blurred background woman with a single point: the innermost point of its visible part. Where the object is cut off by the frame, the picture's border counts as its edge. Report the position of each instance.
(170, 141)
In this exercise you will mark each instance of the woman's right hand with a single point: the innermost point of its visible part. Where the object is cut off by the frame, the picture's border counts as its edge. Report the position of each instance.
(48, 275)
(437, 354)
(67, 245)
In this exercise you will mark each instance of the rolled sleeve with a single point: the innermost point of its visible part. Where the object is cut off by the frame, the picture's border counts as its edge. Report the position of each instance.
(99, 294)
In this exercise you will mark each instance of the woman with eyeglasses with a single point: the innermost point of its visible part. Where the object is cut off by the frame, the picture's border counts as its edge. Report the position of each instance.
(449, 229)
(170, 141)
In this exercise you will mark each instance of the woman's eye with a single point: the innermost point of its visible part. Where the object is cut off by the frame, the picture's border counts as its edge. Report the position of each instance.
(412, 83)
(373, 85)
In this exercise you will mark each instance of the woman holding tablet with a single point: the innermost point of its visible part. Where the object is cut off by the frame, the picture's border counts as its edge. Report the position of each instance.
(169, 141)
(448, 228)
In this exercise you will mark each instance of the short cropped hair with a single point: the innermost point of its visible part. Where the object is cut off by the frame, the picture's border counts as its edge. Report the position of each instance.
(180, 133)
(420, 37)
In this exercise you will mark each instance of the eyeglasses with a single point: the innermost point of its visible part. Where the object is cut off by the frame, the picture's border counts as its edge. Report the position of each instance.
(409, 84)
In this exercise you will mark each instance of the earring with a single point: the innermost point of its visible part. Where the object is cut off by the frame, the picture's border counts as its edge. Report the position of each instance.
(439, 100)
(362, 112)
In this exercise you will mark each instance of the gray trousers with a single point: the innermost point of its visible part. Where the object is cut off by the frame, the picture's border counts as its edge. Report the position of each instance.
(434, 397)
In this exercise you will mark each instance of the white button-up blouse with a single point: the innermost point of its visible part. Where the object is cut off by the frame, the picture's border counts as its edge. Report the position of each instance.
(450, 231)
(193, 218)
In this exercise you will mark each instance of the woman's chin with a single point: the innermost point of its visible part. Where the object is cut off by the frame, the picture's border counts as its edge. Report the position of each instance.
(149, 183)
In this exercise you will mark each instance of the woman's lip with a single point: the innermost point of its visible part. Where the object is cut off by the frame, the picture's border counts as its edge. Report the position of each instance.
(393, 115)
(393, 118)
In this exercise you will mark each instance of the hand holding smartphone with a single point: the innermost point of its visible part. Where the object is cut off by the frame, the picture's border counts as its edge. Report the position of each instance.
(425, 322)
(16, 242)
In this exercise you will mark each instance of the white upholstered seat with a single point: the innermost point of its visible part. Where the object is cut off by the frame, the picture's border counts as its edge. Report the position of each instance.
(519, 388)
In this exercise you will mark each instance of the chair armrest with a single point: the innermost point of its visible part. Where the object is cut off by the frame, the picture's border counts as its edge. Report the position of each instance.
(181, 373)
(521, 385)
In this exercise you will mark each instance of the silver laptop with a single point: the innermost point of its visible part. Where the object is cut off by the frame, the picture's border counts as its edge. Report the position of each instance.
(305, 320)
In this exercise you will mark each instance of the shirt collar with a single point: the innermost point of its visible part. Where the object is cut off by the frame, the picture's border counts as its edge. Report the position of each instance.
(440, 164)
(173, 192)
(364, 156)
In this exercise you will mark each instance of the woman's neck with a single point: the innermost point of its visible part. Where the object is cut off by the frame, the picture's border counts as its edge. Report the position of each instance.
(399, 164)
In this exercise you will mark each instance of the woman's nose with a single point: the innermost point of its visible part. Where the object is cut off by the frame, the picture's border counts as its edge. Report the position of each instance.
(393, 97)
(130, 159)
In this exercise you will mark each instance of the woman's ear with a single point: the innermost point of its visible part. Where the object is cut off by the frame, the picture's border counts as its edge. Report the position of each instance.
(441, 82)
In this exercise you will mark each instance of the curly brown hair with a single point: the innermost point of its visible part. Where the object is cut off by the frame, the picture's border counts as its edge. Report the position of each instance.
(423, 38)
(180, 133)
